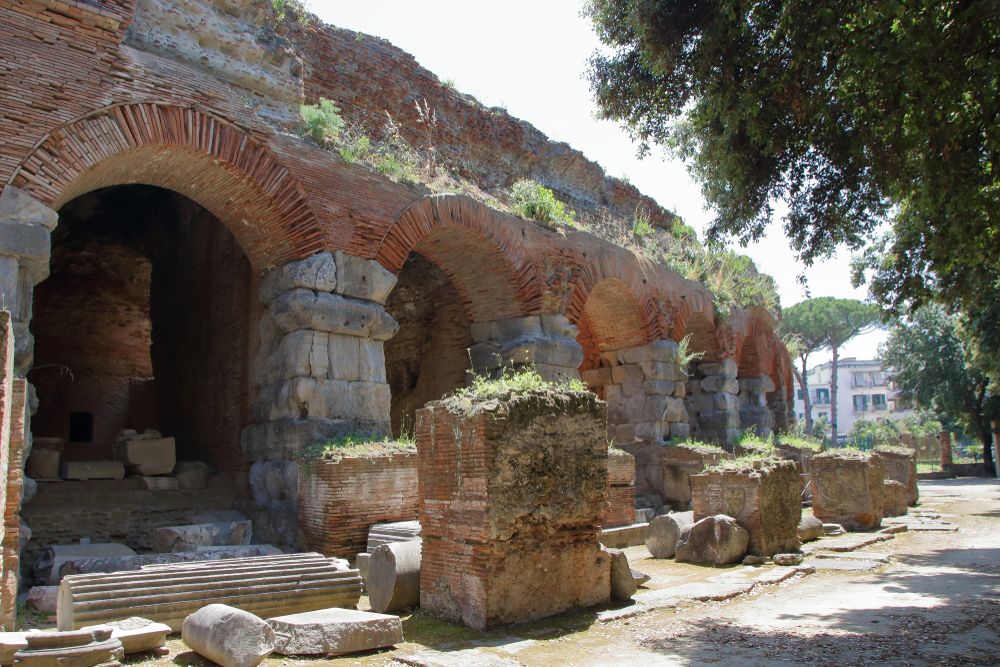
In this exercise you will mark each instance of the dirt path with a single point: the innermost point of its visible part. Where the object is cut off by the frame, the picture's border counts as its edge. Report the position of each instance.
(936, 601)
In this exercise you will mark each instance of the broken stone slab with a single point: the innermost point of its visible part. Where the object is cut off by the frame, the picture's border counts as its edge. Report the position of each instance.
(810, 528)
(11, 643)
(832, 529)
(83, 470)
(855, 555)
(640, 577)
(138, 635)
(51, 560)
(715, 540)
(619, 537)
(787, 560)
(82, 648)
(265, 585)
(362, 561)
(393, 581)
(147, 456)
(334, 632)
(623, 585)
(187, 538)
(228, 636)
(161, 483)
(43, 598)
(88, 565)
(665, 531)
(395, 531)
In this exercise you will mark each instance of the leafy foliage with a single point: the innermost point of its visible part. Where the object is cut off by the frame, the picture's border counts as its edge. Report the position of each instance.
(511, 381)
(685, 355)
(534, 201)
(358, 445)
(750, 443)
(322, 123)
(852, 114)
(801, 441)
(877, 431)
(933, 366)
(733, 279)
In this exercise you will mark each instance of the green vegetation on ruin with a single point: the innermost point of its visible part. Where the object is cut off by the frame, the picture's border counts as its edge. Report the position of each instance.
(533, 201)
(800, 441)
(700, 446)
(513, 381)
(751, 443)
(753, 460)
(352, 445)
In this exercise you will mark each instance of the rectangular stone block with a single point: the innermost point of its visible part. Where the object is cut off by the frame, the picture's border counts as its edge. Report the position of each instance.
(660, 370)
(597, 377)
(847, 488)
(334, 632)
(189, 538)
(501, 546)
(92, 470)
(901, 465)
(627, 374)
(148, 456)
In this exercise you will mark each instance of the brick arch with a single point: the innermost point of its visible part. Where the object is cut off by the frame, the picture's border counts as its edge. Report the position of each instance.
(612, 318)
(219, 165)
(480, 250)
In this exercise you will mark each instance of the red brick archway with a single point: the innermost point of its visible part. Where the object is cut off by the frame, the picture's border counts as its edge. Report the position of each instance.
(479, 249)
(219, 165)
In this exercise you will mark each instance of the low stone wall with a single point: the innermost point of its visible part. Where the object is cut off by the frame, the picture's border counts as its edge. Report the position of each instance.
(620, 510)
(763, 498)
(713, 402)
(901, 465)
(511, 496)
(339, 499)
(677, 464)
(114, 511)
(848, 488)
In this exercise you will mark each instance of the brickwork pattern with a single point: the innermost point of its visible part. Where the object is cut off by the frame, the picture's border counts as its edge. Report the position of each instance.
(764, 500)
(340, 499)
(676, 465)
(511, 496)
(620, 509)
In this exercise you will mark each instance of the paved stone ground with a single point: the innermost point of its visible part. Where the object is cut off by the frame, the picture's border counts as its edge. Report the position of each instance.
(925, 597)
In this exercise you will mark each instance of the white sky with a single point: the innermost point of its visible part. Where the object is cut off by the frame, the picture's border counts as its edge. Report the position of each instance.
(530, 57)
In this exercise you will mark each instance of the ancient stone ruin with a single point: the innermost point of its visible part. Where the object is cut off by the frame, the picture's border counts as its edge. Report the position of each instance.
(512, 490)
(848, 488)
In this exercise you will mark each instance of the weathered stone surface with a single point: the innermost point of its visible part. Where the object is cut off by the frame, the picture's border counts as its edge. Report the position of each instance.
(763, 498)
(334, 632)
(715, 540)
(665, 531)
(11, 643)
(161, 483)
(901, 465)
(331, 313)
(895, 498)
(81, 648)
(138, 635)
(676, 465)
(362, 561)
(43, 464)
(84, 565)
(623, 585)
(17, 206)
(191, 479)
(91, 470)
(286, 584)
(325, 399)
(787, 560)
(228, 636)
(810, 528)
(363, 278)
(640, 578)
(393, 580)
(43, 598)
(394, 531)
(283, 439)
(147, 456)
(317, 273)
(188, 538)
(52, 559)
(848, 488)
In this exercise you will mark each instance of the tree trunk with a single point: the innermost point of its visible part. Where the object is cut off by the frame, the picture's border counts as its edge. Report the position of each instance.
(803, 379)
(833, 396)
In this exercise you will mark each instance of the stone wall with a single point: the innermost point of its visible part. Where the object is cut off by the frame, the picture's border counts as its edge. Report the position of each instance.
(755, 413)
(511, 497)
(713, 403)
(545, 342)
(340, 498)
(847, 488)
(675, 466)
(8, 476)
(762, 497)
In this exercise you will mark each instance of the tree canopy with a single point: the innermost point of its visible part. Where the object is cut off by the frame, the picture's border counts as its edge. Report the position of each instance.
(931, 363)
(852, 114)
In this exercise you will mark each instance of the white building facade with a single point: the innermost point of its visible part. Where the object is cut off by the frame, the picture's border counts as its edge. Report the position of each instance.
(864, 391)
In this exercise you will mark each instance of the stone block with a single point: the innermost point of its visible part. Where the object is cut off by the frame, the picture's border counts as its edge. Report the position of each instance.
(675, 411)
(317, 273)
(363, 278)
(659, 387)
(763, 497)
(304, 309)
(161, 483)
(325, 399)
(43, 464)
(187, 538)
(11, 643)
(371, 358)
(344, 357)
(661, 370)
(284, 438)
(623, 585)
(43, 598)
(557, 324)
(719, 420)
(334, 632)
(714, 540)
(92, 470)
(81, 648)
(624, 433)
(393, 580)
(810, 528)
(29, 243)
(629, 390)
(723, 401)
(228, 636)
(716, 383)
(51, 560)
(727, 368)
(554, 351)
(895, 498)
(654, 408)
(680, 431)
(677, 463)
(649, 431)
(627, 374)
(301, 353)
(665, 531)
(137, 635)
(512, 494)
(17, 206)
(901, 465)
(99, 564)
(848, 488)
(147, 456)
(597, 377)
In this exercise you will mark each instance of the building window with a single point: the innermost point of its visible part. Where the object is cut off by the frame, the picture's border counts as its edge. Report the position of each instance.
(878, 402)
(800, 395)
(878, 379)
(860, 403)
(822, 397)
